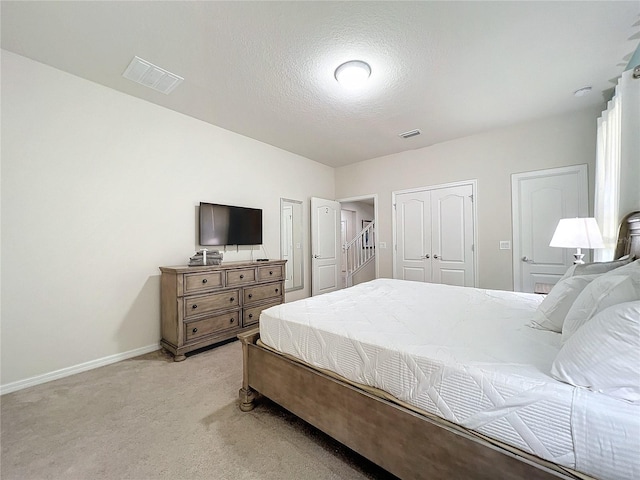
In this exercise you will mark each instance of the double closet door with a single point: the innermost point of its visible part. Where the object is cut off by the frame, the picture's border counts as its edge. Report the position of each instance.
(435, 235)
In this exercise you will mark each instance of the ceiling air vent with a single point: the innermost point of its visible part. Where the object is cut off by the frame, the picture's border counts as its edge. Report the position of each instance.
(410, 133)
(152, 76)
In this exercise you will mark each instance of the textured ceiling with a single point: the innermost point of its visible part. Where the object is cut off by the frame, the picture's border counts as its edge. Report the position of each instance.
(265, 69)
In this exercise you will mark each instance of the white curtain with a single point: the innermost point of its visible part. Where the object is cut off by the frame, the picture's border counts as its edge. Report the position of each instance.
(607, 191)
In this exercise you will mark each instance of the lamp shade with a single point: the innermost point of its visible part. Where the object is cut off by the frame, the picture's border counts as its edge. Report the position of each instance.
(577, 233)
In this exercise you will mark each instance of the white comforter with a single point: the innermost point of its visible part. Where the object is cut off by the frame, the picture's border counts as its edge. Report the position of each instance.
(466, 355)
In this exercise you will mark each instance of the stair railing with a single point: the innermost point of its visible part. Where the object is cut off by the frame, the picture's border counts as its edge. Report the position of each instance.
(359, 251)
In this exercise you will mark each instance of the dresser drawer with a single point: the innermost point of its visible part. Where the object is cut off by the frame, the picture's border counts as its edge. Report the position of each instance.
(274, 272)
(252, 315)
(255, 294)
(240, 277)
(207, 326)
(195, 282)
(203, 304)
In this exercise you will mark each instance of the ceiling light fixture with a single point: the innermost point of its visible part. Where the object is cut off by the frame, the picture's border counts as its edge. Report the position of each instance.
(353, 73)
(581, 92)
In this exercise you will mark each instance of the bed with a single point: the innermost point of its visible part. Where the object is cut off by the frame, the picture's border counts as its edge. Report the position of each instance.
(434, 381)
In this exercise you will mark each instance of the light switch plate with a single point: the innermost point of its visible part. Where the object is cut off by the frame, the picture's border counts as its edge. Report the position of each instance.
(505, 245)
(383, 244)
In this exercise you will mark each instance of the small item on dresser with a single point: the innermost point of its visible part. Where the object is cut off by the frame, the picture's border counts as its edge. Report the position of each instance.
(205, 257)
(262, 259)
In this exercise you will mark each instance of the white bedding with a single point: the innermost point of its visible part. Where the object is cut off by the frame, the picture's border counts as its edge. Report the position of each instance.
(466, 355)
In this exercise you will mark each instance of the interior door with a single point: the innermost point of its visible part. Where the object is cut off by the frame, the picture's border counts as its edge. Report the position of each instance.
(413, 236)
(539, 200)
(452, 235)
(325, 245)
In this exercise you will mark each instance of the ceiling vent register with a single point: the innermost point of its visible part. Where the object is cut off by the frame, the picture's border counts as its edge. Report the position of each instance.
(410, 133)
(152, 76)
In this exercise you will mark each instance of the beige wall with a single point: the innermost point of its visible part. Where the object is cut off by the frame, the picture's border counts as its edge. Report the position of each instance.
(490, 158)
(98, 190)
(363, 211)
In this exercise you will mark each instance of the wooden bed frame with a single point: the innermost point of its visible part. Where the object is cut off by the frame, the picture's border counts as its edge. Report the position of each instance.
(629, 236)
(403, 442)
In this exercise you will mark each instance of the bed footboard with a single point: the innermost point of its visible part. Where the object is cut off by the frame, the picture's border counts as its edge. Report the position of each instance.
(409, 445)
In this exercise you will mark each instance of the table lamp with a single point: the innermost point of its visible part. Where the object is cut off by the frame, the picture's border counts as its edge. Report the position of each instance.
(577, 233)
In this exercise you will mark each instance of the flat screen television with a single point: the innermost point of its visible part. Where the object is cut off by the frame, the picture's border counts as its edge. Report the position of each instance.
(229, 225)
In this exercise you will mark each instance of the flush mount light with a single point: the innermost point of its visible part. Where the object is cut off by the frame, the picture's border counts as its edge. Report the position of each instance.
(353, 73)
(581, 92)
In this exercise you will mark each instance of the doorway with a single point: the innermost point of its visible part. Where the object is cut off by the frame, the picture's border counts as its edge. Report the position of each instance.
(326, 239)
(347, 231)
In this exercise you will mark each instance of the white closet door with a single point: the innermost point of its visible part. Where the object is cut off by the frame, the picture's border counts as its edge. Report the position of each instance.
(452, 235)
(413, 237)
(435, 235)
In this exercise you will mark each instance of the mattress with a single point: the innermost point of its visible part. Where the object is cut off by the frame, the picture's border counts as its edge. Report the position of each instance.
(466, 355)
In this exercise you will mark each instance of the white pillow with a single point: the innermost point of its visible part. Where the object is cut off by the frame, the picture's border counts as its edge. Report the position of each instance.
(552, 311)
(604, 355)
(629, 267)
(595, 267)
(608, 289)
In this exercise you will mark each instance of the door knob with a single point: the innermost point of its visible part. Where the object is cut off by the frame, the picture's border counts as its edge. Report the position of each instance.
(316, 256)
(426, 256)
(436, 256)
(527, 259)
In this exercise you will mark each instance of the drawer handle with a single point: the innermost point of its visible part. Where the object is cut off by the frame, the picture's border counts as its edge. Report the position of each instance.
(276, 290)
(194, 306)
(271, 272)
(251, 295)
(231, 299)
(195, 330)
(251, 315)
(241, 277)
(231, 320)
(204, 280)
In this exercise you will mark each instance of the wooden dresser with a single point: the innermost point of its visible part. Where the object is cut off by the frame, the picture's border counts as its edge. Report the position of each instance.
(201, 306)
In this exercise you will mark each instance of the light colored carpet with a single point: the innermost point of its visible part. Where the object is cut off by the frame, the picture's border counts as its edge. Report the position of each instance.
(152, 418)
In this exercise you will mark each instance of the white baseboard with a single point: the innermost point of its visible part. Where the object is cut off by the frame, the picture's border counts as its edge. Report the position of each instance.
(83, 367)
